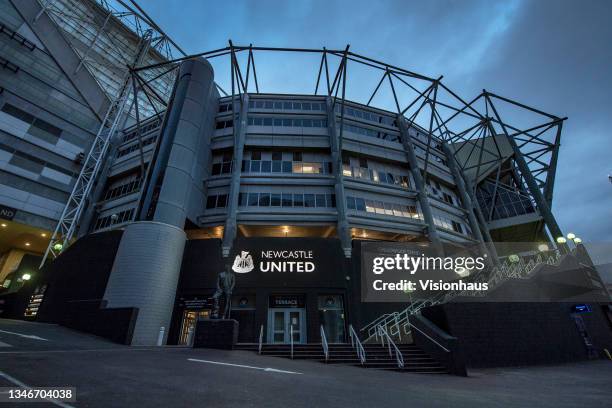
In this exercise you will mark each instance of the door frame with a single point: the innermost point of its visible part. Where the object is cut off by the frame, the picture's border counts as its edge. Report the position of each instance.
(287, 335)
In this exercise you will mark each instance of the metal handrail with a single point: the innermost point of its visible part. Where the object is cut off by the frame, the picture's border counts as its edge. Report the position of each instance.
(356, 344)
(261, 338)
(429, 337)
(398, 354)
(291, 341)
(324, 343)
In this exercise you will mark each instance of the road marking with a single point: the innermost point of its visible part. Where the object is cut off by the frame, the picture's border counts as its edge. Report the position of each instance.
(268, 369)
(22, 385)
(2, 344)
(27, 336)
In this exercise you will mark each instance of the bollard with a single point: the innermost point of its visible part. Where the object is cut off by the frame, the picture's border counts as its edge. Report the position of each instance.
(190, 332)
(160, 337)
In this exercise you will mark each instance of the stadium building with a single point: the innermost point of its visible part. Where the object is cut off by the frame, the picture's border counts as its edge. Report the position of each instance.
(135, 174)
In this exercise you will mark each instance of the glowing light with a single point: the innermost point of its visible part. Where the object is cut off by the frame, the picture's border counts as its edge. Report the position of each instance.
(542, 247)
(3, 225)
(514, 258)
(58, 246)
(571, 235)
(27, 244)
(577, 240)
(43, 235)
(26, 276)
(561, 240)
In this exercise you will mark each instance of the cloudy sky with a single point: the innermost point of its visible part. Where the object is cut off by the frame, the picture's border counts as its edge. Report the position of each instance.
(553, 55)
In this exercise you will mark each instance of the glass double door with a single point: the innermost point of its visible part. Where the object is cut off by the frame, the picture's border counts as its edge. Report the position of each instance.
(282, 322)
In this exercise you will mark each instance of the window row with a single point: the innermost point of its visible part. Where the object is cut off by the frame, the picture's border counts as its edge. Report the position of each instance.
(224, 124)
(379, 207)
(225, 107)
(136, 146)
(365, 115)
(286, 122)
(422, 152)
(285, 166)
(448, 224)
(376, 176)
(287, 200)
(114, 219)
(122, 190)
(216, 201)
(371, 132)
(143, 129)
(286, 105)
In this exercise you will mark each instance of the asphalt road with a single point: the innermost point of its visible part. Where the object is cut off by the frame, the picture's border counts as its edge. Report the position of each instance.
(109, 375)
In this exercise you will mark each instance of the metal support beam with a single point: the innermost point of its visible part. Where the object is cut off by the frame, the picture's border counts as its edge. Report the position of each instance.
(413, 162)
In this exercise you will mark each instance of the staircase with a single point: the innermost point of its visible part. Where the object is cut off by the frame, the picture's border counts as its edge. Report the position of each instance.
(415, 359)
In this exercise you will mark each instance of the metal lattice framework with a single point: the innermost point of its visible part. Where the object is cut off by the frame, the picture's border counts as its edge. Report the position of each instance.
(110, 39)
(491, 131)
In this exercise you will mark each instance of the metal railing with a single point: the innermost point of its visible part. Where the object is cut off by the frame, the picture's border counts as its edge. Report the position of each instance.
(384, 335)
(429, 337)
(291, 340)
(261, 330)
(324, 343)
(397, 322)
(356, 344)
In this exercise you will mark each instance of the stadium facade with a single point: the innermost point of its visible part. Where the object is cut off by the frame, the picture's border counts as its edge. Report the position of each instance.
(137, 186)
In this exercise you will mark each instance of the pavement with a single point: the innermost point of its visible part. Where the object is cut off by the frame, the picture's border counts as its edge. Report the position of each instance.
(109, 375)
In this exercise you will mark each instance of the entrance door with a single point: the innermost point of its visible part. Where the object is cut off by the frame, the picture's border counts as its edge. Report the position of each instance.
(282, 321)
(190, 318)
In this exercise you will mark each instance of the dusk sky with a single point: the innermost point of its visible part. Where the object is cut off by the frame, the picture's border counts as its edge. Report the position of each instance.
(553, 55)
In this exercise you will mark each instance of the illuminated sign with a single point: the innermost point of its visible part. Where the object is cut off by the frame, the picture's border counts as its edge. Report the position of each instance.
(274, 261)
(7, 213)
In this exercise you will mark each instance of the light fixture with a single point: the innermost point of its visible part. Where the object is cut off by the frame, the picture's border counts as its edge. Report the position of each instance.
(57, 246)
(43, 235)
(27, 244)
(3, 225)
(577, 240)
(514, 258)
(26, 277)
(561, 240)
(542, 247)
(571, 235)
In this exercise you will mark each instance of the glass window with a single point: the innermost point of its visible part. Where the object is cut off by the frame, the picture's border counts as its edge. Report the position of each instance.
(350, 203)
(275, 200)
(287, 122)
(256, 155)
(278, 105)
(253, 199)
(259, 104)
(298, 200)
(267, 122)
(222, 201)
(246, 166)
(297, 156)
(278, 122)
(266, 166)
(255, 166)
(277, 156)
(297, 105)
(211, 201)
(306, 105)
(226, 167)
(320, 199)
(287, 105)
(297, 122)
(264, 199)
(242, 199)
(307, 122)
(276, 166)
(216, 169)
(297, 167)
(309, 200)
(360, 204)
(287, 167)
(257, 121)
(287, 200)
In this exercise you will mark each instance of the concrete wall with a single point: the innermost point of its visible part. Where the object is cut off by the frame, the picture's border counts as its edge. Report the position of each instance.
(145, 275)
